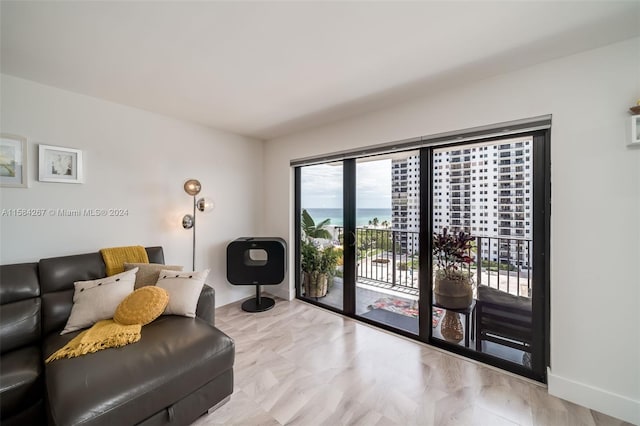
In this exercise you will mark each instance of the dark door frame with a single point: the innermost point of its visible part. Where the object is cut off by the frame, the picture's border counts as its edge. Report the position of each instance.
(541, 236)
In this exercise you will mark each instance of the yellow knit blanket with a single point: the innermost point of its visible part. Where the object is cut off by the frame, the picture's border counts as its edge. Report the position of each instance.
(115, 257)
(103, 335)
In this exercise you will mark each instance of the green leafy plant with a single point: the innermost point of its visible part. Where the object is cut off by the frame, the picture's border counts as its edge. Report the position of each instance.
(311, 230)
(315, 259)
(452, 251)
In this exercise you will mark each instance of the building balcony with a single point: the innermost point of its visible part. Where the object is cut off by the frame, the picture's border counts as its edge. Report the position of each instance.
(510, 185)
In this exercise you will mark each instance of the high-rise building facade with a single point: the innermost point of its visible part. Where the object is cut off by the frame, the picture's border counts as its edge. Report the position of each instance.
(484, 190)
(405, 202)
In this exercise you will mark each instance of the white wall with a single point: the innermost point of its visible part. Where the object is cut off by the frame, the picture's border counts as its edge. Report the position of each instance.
(133, 160)
(595, 235)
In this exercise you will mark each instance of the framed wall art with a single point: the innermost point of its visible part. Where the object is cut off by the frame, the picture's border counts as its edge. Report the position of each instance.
(13, 161)
(59, 164)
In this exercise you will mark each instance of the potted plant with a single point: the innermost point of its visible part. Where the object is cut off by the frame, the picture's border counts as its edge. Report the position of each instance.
(318, 265)
(452, 287)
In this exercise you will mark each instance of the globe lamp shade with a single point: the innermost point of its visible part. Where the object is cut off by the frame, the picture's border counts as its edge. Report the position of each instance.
(192, 187)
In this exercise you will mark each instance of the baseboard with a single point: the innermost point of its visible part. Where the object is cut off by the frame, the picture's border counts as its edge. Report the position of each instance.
(281, 292)
(609, 403)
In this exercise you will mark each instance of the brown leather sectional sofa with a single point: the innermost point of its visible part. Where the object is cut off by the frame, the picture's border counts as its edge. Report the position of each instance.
(179, 369)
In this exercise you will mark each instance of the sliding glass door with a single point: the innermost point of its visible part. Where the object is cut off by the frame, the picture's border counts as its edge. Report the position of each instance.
(483, 230)
(387, 194)
(445, 244)
(322, 234)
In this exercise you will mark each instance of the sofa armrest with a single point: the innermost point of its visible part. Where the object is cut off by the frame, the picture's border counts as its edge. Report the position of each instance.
(206, 308)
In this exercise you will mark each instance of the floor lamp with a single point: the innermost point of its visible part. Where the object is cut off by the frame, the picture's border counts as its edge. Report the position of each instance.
(205, 205)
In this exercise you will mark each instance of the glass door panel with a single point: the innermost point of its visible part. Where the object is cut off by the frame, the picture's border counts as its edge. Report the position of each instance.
(322, 234)
(387, 230)
(482, 246)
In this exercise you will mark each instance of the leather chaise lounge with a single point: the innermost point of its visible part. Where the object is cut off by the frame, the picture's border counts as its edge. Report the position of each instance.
(180, 368)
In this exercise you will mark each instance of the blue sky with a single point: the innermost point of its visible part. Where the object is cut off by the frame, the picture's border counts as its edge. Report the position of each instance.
(322, 185)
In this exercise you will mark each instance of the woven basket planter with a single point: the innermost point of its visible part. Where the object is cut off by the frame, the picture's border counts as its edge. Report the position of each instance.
(453, 294)
(315, 284)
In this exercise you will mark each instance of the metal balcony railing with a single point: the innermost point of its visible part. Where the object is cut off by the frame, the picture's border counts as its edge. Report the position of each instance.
(388, 258)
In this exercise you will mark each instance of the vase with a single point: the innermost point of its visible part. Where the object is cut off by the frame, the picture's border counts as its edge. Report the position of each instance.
(453, 294)
(315, 284)
(451, 328)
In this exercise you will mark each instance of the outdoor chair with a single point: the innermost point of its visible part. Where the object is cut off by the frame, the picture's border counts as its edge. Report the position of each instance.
(502, 318)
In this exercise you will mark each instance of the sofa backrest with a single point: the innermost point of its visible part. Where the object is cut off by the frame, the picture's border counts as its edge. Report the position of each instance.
(19, 306)
(57, 275)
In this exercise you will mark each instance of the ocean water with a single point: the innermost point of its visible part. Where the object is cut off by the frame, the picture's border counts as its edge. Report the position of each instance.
(363, 216)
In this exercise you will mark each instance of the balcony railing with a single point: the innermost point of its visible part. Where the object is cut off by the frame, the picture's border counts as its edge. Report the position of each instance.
(388, 258)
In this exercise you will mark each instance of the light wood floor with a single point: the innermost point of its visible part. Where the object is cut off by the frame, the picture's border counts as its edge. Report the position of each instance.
(300, 365)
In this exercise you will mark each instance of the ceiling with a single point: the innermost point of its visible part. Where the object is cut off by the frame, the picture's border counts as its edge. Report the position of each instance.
(266, 69)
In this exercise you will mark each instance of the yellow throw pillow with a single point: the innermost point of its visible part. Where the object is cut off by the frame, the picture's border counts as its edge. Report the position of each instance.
(142, 306)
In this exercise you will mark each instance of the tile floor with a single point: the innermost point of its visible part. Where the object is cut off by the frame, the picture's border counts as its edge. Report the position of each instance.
(301, 365)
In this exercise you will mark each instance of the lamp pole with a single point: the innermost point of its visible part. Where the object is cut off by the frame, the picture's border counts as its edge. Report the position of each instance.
(192, 187)
(193, 251)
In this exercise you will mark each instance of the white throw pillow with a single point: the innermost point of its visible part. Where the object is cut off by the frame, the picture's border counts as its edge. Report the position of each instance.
(184, 290)
(98, 299)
